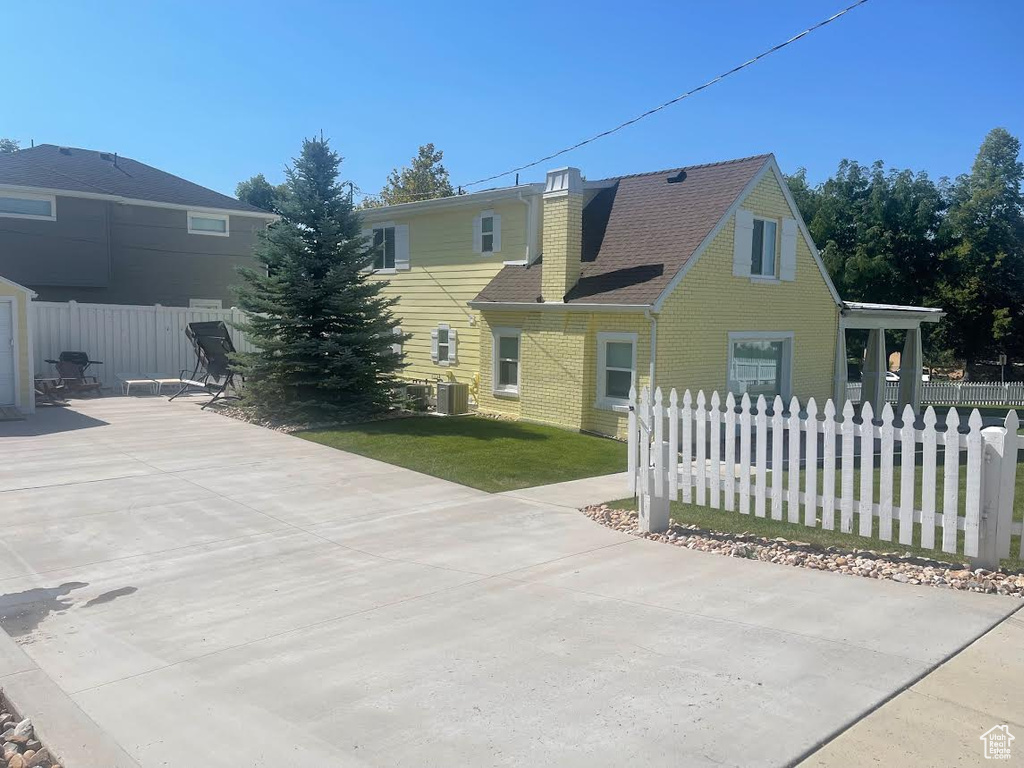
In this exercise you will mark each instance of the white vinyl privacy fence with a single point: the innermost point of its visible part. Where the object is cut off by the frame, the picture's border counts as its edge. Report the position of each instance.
(943, 486)
(135, 340)
(953, 392)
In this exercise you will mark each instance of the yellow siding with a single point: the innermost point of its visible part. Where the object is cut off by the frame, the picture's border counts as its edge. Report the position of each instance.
(24, 379)
(558, 367)
(444, 275)
(693, 327)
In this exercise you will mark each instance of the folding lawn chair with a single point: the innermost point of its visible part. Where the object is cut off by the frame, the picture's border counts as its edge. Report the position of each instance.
(212, 373)
(71, 374)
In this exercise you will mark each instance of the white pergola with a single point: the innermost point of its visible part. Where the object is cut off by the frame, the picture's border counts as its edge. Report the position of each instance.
(876, 319)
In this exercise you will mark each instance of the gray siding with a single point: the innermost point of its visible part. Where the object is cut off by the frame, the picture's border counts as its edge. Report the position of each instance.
(124, 254)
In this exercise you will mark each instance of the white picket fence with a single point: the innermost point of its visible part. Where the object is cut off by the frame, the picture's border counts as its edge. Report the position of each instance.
(952, 392)
(785, 466)
(128, 339)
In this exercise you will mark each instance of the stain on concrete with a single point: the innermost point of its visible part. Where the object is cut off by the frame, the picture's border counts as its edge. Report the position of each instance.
(23, 612)
(108, 597)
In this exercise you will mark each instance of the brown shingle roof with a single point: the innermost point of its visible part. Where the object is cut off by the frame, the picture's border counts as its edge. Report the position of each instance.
(638, 233)
(85, 170)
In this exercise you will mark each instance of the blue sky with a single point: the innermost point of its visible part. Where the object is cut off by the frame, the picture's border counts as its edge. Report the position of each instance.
(219, 92)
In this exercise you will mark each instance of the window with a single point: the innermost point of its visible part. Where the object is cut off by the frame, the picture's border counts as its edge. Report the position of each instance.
(506, 361)
(760, 364)
(28, 206)
(397, 347)
(443, 345)
(487, 232)
(384, 247)
(616, 368)
(762, 251)
(200, 223)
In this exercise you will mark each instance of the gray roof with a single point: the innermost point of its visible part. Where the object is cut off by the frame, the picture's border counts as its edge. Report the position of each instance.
(71, 170)
(638, 233)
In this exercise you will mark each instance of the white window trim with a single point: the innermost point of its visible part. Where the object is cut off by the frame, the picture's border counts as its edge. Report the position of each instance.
(52, 199)
(478, 233)
(603, 401)
(773, 277)
(787, 358)
(496, 335)
(207, 215)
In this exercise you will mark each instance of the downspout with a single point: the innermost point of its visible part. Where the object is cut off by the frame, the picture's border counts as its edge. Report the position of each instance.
(531, 227)
(652, 318)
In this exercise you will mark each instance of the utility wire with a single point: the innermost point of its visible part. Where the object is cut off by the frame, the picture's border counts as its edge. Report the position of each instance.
(670, 102)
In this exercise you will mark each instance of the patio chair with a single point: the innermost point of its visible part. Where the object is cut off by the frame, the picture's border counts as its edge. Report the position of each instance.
(213, 372)
(72, 378)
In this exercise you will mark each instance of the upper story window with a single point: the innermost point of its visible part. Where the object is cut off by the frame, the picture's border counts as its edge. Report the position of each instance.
(487, 232)
(390, 245)
(384, 248)
(616, 368)
(201, 223)
(25, 206)
(762, 250)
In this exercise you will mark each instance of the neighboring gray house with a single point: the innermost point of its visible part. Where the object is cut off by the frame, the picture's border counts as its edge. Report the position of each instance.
(96, 227)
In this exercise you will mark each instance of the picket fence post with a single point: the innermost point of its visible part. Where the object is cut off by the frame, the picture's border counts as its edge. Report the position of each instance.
(998, 475)
(654, 499)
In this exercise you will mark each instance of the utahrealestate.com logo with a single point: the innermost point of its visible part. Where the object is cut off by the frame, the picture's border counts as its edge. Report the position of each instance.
(997, 742)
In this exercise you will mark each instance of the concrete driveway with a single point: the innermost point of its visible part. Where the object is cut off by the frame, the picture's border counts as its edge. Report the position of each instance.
(213, 593)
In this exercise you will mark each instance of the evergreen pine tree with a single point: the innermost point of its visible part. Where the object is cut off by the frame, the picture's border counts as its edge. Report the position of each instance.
(323, 330)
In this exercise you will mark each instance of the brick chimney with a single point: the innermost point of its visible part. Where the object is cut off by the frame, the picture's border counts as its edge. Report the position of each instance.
(562, 244)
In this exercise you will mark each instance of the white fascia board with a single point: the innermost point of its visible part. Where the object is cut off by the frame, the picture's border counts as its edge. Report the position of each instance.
(18, 287)
(133, 201)
(472, 199)
(557, 306)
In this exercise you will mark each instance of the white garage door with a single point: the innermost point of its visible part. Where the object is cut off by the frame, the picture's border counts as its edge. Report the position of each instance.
(7, 372)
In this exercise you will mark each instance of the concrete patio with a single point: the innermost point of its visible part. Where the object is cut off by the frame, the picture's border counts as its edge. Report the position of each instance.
(190, 590)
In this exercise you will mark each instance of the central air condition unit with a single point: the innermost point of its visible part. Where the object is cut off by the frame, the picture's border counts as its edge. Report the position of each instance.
(452, 398)
(417, 395)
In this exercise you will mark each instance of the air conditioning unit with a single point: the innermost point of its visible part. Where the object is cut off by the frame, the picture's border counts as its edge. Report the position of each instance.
(452, 398)
(417, 395)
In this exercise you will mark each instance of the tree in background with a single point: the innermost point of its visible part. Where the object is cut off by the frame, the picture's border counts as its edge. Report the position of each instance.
(981, 286)
(261, 193)
(9, 145)
(323, 330)
(877, 230)
(425, 179)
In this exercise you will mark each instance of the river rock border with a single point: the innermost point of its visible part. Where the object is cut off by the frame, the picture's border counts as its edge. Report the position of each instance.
(21, 748)
(853, 562)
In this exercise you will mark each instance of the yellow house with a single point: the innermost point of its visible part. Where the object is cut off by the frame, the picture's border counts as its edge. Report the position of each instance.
(554, 299)
(16, 359)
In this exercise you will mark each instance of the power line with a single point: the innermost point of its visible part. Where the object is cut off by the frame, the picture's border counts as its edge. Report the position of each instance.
(670, 102)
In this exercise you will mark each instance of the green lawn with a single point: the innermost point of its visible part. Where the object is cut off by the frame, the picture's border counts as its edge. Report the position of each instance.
(733, 522)
(489, 454)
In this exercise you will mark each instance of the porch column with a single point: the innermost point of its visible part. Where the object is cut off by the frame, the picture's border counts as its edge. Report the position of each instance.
(910, 371)
(840, 375)
(874, 370)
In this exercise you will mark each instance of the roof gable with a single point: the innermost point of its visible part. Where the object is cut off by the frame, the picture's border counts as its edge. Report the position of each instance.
(638, 233)
(88, 172)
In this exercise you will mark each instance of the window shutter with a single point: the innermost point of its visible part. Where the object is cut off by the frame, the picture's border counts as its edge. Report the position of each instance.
(497, 233)
(433, 345)
(478, 236)
(787, 264)
(402, 246)
(453, 345)
(368, 240)
(744, 242)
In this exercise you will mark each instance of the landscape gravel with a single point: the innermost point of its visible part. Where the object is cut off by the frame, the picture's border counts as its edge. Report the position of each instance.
(891, 566)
